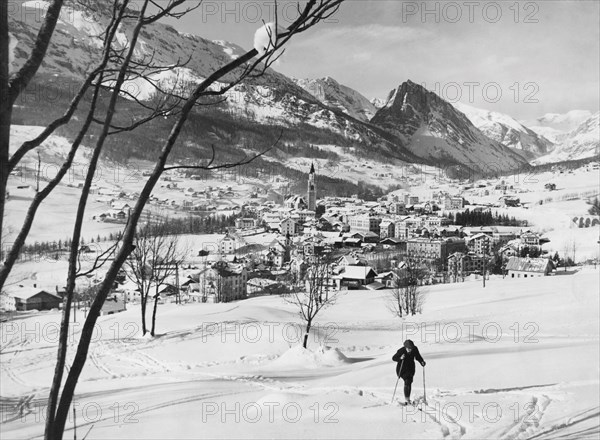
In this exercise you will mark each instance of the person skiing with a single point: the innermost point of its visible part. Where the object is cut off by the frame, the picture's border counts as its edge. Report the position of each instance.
(406, 365)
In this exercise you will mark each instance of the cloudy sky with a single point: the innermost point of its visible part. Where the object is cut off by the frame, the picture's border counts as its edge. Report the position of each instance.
(525, 59)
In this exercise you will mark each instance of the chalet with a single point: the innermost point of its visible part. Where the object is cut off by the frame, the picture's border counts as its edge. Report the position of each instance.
(35, 299)
(355, 277)
(528, 267)
(353, 242)
(387, 279)
(116, 214)
(393, 243)
(120, 206)
(510, 201)
(351, 260)
(366, 237)
(532, 239)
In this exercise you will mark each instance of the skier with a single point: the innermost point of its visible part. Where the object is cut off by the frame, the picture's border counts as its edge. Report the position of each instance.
(406, 365)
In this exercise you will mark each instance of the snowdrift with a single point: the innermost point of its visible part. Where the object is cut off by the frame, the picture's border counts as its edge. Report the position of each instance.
(300, 357)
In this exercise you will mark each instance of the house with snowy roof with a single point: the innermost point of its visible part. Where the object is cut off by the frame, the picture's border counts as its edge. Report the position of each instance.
(528, 267)
(355, 277)
(34, 298)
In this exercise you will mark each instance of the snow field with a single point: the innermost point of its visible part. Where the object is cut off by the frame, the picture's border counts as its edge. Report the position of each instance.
(517, 359)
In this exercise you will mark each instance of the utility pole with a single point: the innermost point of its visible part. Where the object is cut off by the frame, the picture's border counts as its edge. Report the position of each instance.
(177, 282)
(486, 245)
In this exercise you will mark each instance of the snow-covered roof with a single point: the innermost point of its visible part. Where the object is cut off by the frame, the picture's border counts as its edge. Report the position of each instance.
(29, 292)
(528, 264)
(358, 272)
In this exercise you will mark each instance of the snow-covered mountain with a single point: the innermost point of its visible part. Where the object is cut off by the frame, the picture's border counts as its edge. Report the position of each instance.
(378, 103)
(272, 99)
(580, 143)
(433, 129)
(506, 130)
(336, 95)
(413, 126)
(562, 122)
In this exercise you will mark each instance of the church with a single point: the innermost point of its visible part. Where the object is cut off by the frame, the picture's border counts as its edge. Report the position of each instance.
(309, 202)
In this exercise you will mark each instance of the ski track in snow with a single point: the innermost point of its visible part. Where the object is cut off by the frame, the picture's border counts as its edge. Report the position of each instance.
(7, 363)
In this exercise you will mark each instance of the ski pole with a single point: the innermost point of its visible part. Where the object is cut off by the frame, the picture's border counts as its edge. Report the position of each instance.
(424, 394)
(397, 380)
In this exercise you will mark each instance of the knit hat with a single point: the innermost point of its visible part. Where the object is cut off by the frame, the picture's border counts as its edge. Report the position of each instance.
(409, 344)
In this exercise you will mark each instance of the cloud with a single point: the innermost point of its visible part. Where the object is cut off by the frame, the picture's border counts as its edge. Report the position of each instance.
(373, 36)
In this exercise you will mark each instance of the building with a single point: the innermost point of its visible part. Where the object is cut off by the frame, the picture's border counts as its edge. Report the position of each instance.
(387, 228)
(510, 201)
(405, 228)
(35, 299)
(434, 221)
(289, 226)
(453, 202)
(227, 245)
(479, 244)
(355, 277)
(433, 251)
(532, 239)
(311, 195)
(222, 283)
(410, 200)
(295, 202)
(397, 208)
(246, 223)
(528, 267)
(462, 264)
(364, 223)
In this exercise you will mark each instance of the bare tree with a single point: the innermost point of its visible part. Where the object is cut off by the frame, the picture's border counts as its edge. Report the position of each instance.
(250, 64)
(408, 295)
(116, 66)
(396, 301)
(155, 258)
(312, 292)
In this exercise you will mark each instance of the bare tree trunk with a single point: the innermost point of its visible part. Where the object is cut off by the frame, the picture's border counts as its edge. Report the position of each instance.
(5, 113)
(308, 326)
(152, 331)
(10, 90)
(144, 300)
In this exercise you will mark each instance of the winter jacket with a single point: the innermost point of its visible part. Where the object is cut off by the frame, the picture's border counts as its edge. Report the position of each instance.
(408, 366)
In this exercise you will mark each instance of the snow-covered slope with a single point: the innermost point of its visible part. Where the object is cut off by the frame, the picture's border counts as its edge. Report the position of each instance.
(518, 359)
(336, 95)
(506, 130)
(580, 143)
(433, 129)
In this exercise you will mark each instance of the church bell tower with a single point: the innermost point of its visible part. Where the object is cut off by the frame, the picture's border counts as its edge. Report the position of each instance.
(311, 198)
